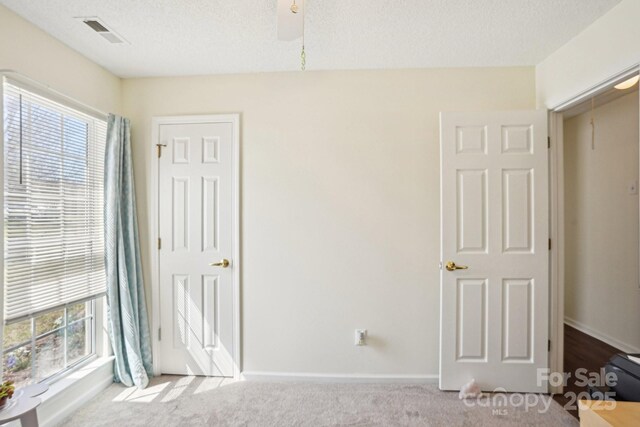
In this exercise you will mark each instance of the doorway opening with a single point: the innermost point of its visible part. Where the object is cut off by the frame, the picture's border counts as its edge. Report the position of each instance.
(600, 152)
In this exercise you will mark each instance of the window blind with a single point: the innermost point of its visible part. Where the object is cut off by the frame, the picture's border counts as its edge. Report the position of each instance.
(53, 211)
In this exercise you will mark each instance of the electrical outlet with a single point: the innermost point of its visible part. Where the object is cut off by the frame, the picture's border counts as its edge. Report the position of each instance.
(361, 337)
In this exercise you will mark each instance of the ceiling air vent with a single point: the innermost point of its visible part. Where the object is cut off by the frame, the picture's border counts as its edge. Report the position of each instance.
(101, 28)
(96, 26)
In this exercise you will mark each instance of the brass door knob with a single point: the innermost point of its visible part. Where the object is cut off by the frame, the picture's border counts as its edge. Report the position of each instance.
(224, 263)
(451, 266)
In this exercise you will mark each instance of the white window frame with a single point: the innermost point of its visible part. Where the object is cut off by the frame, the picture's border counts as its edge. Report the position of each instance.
(91, 338)
(100, 339)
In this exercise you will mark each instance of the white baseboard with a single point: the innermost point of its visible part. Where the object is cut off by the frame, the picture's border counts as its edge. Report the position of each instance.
(627, 348)
(337, 378)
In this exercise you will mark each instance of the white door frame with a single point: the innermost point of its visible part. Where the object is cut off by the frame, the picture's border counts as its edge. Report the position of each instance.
(234, 119)
(556, 206)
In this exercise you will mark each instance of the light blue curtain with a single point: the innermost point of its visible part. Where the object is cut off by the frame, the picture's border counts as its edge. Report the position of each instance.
(128, 321)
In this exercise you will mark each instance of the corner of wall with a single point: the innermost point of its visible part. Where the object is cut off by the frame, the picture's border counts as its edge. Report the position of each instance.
(602, 50)
(48, 61)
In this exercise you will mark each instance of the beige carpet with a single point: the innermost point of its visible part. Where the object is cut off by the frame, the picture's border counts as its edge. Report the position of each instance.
(197, 401)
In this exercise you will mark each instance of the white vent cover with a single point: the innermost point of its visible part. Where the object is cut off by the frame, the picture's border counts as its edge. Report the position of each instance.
(97, 25)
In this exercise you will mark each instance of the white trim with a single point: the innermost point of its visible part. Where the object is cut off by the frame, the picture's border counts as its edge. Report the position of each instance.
(338, 378)
(627, 348)
(596, 89)
(153, 248)
(556, 255)
(154, 232)
(101, 336)
(34, 86)
(2, 80)
(152, 202)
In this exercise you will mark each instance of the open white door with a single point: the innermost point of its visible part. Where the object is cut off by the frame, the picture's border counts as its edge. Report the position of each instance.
(495, 260)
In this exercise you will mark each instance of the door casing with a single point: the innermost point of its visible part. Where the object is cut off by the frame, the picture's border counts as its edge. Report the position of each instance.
(156, 323)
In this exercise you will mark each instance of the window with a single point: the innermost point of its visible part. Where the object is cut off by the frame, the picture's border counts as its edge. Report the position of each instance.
(44, 345)
(53, 233)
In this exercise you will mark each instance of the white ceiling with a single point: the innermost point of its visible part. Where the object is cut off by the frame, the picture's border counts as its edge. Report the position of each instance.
(183, 37)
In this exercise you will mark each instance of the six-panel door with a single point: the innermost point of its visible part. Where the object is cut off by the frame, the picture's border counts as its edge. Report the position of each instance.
(196, 230)
(494, 313)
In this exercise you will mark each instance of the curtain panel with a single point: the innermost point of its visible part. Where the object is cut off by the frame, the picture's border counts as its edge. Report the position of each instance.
(127, 311)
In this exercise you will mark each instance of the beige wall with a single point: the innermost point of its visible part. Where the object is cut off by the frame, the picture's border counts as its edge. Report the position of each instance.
(340, 188)
(340, 204)
(602, 292)
(605, 48)
(28, 50)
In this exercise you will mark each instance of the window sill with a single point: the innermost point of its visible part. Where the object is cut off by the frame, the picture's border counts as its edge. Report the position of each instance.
(74, 389)
(61, 384)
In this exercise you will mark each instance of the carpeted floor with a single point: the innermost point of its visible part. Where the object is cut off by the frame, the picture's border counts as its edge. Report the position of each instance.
(198, 401)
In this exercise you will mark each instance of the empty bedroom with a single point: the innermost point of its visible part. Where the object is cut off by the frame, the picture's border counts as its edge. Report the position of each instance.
(320, 213)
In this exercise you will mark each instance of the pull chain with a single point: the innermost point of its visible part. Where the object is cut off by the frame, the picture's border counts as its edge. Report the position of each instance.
(303, 54)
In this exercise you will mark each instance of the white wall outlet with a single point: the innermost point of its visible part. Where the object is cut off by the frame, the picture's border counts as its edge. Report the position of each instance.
(633, 188)
(361, 337)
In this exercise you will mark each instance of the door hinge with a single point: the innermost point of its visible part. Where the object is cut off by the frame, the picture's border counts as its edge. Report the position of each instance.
(548, 345)
(159, 243)
(159, 334)
(159, 148)
(549, 244)
(548, 142)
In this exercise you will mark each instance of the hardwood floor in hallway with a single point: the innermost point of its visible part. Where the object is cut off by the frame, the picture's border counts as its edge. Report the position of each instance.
(581, 351)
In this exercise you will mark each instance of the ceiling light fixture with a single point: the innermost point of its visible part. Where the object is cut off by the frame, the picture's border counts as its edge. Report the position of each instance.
(291, 17)
(627, 83)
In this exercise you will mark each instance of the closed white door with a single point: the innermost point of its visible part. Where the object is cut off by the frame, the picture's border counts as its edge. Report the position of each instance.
(196, 219)
(495, 250)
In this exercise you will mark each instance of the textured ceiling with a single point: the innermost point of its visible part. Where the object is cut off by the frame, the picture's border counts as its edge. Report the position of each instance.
(182, 37)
